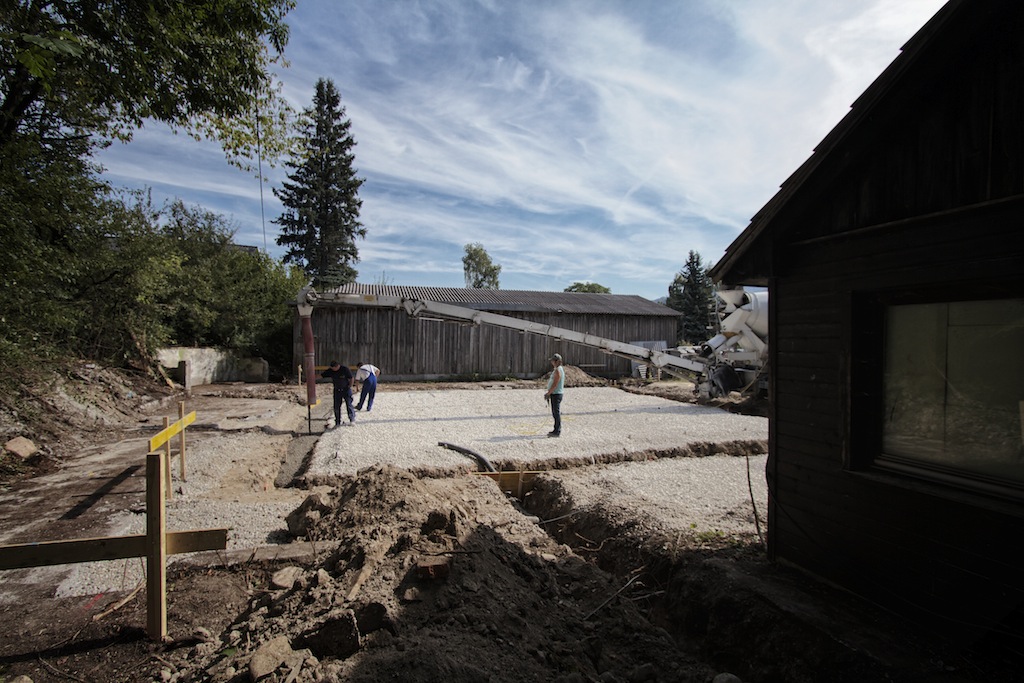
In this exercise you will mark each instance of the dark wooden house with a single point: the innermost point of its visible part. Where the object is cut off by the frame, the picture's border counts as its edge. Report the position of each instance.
(895, 262)
(407, 348)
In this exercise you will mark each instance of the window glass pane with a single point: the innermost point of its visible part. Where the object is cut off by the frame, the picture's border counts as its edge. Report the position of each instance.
(954, 387)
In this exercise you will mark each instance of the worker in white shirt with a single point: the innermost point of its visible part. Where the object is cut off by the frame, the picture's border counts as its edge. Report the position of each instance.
(367, 375)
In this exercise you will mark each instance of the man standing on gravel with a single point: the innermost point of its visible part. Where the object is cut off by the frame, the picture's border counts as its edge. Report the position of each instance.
(341, 376)
(555, 390)
(367, 375)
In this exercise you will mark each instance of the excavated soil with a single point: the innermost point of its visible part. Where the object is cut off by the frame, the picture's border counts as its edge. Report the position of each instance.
(400, 577)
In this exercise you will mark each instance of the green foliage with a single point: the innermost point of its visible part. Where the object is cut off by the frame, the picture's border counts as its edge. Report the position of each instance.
(118, 286)
(225, 295)
(480, 272)
(85, 272)
(125, 273)
(692, 294)
(321, 219)
(103, 67)
(592, 287)
(48, 199)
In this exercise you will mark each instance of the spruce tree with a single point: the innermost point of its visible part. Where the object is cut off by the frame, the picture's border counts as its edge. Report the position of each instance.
(321, 222)
(692, 294)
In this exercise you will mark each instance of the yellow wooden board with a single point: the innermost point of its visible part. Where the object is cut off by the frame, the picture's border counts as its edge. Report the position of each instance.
(519, 483)
(172, 429)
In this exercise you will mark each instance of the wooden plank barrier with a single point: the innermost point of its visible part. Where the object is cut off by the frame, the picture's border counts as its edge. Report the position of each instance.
(163, 438)
(49, 553)
(516, 482)
(155, 545)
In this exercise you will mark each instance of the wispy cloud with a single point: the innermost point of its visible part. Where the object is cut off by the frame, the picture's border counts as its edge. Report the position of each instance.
(575, 140)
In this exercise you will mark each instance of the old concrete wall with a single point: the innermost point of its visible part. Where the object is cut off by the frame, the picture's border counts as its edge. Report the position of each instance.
(212, 365)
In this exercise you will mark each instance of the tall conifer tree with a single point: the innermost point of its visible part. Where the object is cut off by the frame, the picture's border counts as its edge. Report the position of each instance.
(692, 293)
(321, 222)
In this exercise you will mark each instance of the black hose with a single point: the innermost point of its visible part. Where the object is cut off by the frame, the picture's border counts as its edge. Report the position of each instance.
(484, 463)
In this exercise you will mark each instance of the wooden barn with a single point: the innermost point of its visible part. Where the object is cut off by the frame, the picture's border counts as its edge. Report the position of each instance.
(894, 258)
(407, 348)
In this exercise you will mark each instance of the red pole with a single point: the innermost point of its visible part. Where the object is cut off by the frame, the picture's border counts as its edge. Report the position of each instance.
(308, 356)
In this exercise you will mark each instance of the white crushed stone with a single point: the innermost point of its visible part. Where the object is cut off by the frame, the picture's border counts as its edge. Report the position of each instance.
(405, 427)
(714, 494)
(253, 517)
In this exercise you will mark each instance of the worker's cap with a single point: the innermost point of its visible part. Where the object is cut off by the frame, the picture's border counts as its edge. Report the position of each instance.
(334, 362)
(557, 357)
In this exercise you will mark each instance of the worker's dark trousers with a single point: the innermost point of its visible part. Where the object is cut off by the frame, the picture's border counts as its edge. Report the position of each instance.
(343, 395)
(556, 412)
(367, 393)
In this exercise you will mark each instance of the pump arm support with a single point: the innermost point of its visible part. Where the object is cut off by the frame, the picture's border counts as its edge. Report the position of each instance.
(674, 365)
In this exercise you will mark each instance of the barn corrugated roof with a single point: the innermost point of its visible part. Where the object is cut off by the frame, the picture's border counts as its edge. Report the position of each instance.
(506, 300)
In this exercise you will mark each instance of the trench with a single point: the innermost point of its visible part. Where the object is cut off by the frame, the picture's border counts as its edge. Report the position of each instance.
(719, 598)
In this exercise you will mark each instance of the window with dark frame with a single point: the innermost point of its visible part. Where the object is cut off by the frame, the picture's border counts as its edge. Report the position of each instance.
(942, 380)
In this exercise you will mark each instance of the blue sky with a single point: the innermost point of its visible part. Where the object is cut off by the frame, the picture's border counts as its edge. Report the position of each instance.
(576, 141)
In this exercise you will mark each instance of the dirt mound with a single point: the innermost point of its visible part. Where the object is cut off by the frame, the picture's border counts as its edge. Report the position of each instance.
(574, 377)
(66, 405)
(438, 579)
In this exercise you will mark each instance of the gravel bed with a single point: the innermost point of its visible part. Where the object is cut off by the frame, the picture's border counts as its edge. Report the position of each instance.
(710, 495)
(511, 427)
(226, 487)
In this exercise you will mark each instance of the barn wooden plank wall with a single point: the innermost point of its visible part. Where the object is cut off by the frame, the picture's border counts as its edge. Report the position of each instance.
(407, 348)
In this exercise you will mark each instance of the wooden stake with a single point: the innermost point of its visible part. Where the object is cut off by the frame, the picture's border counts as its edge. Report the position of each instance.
(156, 549)
(167, 461)
(181, 418)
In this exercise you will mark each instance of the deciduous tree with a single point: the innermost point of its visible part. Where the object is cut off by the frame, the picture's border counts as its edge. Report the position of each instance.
(204, 66)
(588, 287)
(478, 269)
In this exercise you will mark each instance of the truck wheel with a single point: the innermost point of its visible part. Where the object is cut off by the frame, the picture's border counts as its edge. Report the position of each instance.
(723, 380)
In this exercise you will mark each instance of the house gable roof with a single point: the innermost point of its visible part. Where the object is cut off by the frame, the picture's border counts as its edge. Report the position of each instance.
(506, 300)
(755, 236)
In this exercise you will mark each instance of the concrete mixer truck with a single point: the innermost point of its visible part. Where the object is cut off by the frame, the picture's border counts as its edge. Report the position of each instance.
(735, 359)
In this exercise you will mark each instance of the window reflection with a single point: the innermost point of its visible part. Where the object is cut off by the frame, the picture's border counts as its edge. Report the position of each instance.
(954, 387)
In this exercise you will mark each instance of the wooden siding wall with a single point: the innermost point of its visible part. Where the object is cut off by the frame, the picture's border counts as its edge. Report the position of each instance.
(406, 348)
(924, 549)
(928, 195)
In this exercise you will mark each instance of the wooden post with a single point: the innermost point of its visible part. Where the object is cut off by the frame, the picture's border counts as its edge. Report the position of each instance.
(181, 417)
(156, 549)
(167, 461)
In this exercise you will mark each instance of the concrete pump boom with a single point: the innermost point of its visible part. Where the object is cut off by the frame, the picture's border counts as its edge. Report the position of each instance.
(417, 308)
(734, 359)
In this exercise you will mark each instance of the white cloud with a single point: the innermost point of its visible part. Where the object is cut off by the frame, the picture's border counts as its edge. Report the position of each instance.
(575, 140)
